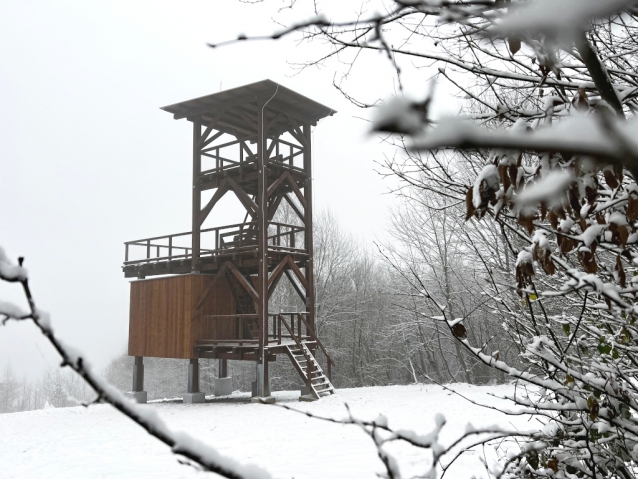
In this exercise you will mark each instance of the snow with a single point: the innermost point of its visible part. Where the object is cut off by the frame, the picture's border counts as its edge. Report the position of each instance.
(9, 270)
(591, 234)
(549, 189)
(524, 257)
(557, 17)
(579, 134)
(11, 310)
(398, 114)
(489, 174)
(99, 442)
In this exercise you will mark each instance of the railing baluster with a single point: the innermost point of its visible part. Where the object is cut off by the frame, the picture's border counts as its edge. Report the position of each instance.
(148, 249)
(126, 252)
(170, 248)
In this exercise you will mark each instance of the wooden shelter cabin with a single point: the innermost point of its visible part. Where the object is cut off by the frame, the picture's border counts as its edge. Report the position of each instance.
(204, 293)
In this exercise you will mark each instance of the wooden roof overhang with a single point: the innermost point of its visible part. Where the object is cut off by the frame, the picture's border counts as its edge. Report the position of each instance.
(235, 111)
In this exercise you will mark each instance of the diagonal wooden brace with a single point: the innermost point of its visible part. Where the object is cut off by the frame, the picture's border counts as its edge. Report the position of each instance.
(227, 266)
(221, 191)
(245, 200)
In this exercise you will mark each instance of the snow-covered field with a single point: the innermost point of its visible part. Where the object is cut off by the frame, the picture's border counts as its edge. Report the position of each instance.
(98, 442)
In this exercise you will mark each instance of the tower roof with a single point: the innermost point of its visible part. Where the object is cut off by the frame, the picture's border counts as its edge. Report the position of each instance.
(235, 110)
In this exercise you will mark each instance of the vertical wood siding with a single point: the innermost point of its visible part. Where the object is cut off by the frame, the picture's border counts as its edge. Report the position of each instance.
(163, 319)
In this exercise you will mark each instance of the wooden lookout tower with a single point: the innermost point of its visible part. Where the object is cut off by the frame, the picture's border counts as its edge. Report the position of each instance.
(205, 293)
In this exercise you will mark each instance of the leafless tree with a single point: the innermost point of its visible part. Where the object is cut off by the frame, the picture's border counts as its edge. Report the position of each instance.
(546, 155)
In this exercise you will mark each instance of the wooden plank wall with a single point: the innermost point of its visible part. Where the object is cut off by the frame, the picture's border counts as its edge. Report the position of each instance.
(219, 302)
(162, 312)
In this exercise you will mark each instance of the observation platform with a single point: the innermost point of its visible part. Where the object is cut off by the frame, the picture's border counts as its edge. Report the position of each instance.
(164, 255)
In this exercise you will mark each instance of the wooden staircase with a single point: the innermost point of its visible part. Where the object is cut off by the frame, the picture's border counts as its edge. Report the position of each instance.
(310, 371)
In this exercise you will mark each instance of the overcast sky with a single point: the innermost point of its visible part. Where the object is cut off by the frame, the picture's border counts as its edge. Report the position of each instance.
(88, 160)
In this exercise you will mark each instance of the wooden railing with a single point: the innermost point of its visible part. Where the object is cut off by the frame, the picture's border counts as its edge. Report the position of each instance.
(238, 237)
(281, 326)
(300, 337)
(244, 158)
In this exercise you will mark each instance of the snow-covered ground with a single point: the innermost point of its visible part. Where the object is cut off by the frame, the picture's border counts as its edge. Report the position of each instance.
(98, 442)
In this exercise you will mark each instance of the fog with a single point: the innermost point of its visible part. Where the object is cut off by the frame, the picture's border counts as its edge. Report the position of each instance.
(88, 160)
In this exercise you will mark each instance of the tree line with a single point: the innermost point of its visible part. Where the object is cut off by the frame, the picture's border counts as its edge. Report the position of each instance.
(374, 327)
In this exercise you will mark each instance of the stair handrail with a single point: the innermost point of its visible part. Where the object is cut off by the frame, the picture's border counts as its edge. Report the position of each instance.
(309, 365)
(316, 339)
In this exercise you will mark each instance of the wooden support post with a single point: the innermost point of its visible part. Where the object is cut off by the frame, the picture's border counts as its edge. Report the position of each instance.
(138, 374)
(223, 368)
(262, 228)
(310, 290)
(266, 378)
(197, 197)
(193, 376)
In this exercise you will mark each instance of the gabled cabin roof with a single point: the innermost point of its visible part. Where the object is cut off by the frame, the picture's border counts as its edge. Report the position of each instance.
(235, 111)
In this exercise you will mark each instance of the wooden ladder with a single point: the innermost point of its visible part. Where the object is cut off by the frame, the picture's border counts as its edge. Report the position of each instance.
(310, 371)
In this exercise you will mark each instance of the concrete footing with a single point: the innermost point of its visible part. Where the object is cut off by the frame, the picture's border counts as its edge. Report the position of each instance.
(254, 389)
(138, 396)
(192, 398)
(267, 400)
(304, 390)
(223, 386)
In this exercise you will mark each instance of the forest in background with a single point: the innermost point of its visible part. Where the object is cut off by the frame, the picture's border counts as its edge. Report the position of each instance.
(374, 325)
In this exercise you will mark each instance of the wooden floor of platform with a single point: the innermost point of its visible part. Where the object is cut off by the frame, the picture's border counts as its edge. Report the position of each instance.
(244, 260)
(244, 350)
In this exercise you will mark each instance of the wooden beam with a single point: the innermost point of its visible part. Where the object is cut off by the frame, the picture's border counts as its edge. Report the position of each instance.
(220, 273)
(246, 149)
(297, 191)
(243, 281)
(286, 176)
(296, 134)
(248, 203)
(278, 270)
(210, 140)
(211, 125)
(247, 117)
(273, 143)
(272, 121)
(221, 191)
(272, 209)
(292, 280)
(275, 185)
(196, 196)
(295, 208)
(299, 274)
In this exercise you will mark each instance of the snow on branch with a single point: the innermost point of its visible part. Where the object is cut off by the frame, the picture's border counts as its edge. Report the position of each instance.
(180, 443)
(576, 135)
(558, 18)
(443, 456)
